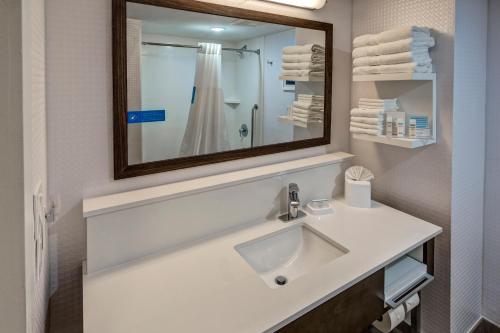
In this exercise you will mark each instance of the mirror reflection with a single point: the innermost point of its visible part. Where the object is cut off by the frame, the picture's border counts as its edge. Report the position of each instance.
(200, 84)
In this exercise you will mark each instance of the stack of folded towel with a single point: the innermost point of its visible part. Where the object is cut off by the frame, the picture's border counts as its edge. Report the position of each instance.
(401, 50)
(369, 117)
(308, 108)
(304, 60)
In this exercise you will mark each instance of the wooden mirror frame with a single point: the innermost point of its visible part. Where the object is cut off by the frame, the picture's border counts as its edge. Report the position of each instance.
(122, 169)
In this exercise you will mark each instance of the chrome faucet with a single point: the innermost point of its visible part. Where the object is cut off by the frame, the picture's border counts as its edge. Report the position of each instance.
(293, 204)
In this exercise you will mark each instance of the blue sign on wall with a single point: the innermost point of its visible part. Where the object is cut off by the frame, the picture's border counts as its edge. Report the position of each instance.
(150, 116)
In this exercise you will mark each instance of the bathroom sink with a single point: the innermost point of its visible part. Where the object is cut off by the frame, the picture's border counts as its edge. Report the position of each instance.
(287, 254)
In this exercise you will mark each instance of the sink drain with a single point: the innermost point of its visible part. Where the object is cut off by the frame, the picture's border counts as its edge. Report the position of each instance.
(281, 280)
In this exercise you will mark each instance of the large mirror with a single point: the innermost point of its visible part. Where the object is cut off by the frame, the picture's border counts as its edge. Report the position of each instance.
(198, 83)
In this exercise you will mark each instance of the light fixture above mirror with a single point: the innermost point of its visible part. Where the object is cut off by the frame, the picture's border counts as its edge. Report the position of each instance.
(310, 4)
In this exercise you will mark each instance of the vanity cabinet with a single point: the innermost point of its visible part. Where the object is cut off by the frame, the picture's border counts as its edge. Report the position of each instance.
(351, 311)
(354, 310)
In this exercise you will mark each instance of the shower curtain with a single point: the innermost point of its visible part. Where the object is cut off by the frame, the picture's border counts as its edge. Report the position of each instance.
(206, 130)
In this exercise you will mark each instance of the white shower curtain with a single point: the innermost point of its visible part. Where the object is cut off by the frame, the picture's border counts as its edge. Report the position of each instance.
(206, 130)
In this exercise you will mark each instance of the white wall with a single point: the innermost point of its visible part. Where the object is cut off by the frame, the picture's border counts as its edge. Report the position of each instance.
(172, 224)
(35, 164)
(79, 97)
(417, 181)
(12, 282)
(469, 100)
(167, 83)
(249, 73)
(276, 101)
(23, 282)
(491, 278)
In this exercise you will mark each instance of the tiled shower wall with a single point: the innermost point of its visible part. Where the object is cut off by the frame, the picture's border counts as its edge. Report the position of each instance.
(491, 279)
(417, 181)
(79, 105)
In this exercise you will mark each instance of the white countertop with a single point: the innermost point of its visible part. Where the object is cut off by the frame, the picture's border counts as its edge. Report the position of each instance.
(208, 287)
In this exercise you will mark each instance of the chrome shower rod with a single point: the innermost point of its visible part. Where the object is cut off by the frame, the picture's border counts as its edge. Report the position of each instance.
(243, 49)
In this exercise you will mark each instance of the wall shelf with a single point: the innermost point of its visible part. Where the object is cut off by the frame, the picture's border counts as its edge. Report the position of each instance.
(399, 142)
(233, 101)
(418, 95)
(302, 78)
(404, 278)
(395, 77)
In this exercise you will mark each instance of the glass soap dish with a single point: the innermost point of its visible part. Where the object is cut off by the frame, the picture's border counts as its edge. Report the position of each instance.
(319, 207)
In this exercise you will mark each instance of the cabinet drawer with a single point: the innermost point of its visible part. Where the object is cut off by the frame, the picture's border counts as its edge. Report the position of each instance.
(351, 311)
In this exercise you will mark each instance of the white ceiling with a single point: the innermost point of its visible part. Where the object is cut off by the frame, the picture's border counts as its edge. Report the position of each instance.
(167, 21)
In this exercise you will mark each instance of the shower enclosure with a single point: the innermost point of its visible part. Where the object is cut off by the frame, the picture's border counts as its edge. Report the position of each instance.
(167, 76)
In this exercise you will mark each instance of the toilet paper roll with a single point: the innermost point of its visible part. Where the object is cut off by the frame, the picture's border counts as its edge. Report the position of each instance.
(412, 302)
(391, 319)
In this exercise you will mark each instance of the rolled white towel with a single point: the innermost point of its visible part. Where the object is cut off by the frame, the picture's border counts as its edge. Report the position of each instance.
(391, 69)
(357, 130)
(420, 57)
(367, 113)
(400, 46)
(391, 35)
(304, 49)
(308, 57)
(366, 120)
(302, 72)
(303, 65)
(367, 126)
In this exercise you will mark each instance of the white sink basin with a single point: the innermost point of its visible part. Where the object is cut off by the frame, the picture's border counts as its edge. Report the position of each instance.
(289, 253)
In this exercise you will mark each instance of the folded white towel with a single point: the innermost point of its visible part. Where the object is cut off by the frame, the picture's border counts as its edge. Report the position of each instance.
(304, 49)
(357, 130)
(391, 69)
(306, 118)
(383, 104)
(420, 57)
(391, 35)
(310, 98)
(400, 46)
(307, 57)
(303, 65)
(366, 120)
(378, 127)
(311, 110)
(366, 113)
(312, 102)
(302, 72)
(306, 96)
(306, 122)
(308, 107)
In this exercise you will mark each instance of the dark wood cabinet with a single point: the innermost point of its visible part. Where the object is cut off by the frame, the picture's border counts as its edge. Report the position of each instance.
(352, 311)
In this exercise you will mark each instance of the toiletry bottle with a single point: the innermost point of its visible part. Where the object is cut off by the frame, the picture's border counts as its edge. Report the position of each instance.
(413, 128)
(401, 127)
(388, 126)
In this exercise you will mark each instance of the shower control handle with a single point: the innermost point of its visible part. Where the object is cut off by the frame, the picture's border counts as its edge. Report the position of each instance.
(243, 131)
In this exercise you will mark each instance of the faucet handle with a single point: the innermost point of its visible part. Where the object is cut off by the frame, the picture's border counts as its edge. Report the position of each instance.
(292, 187)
